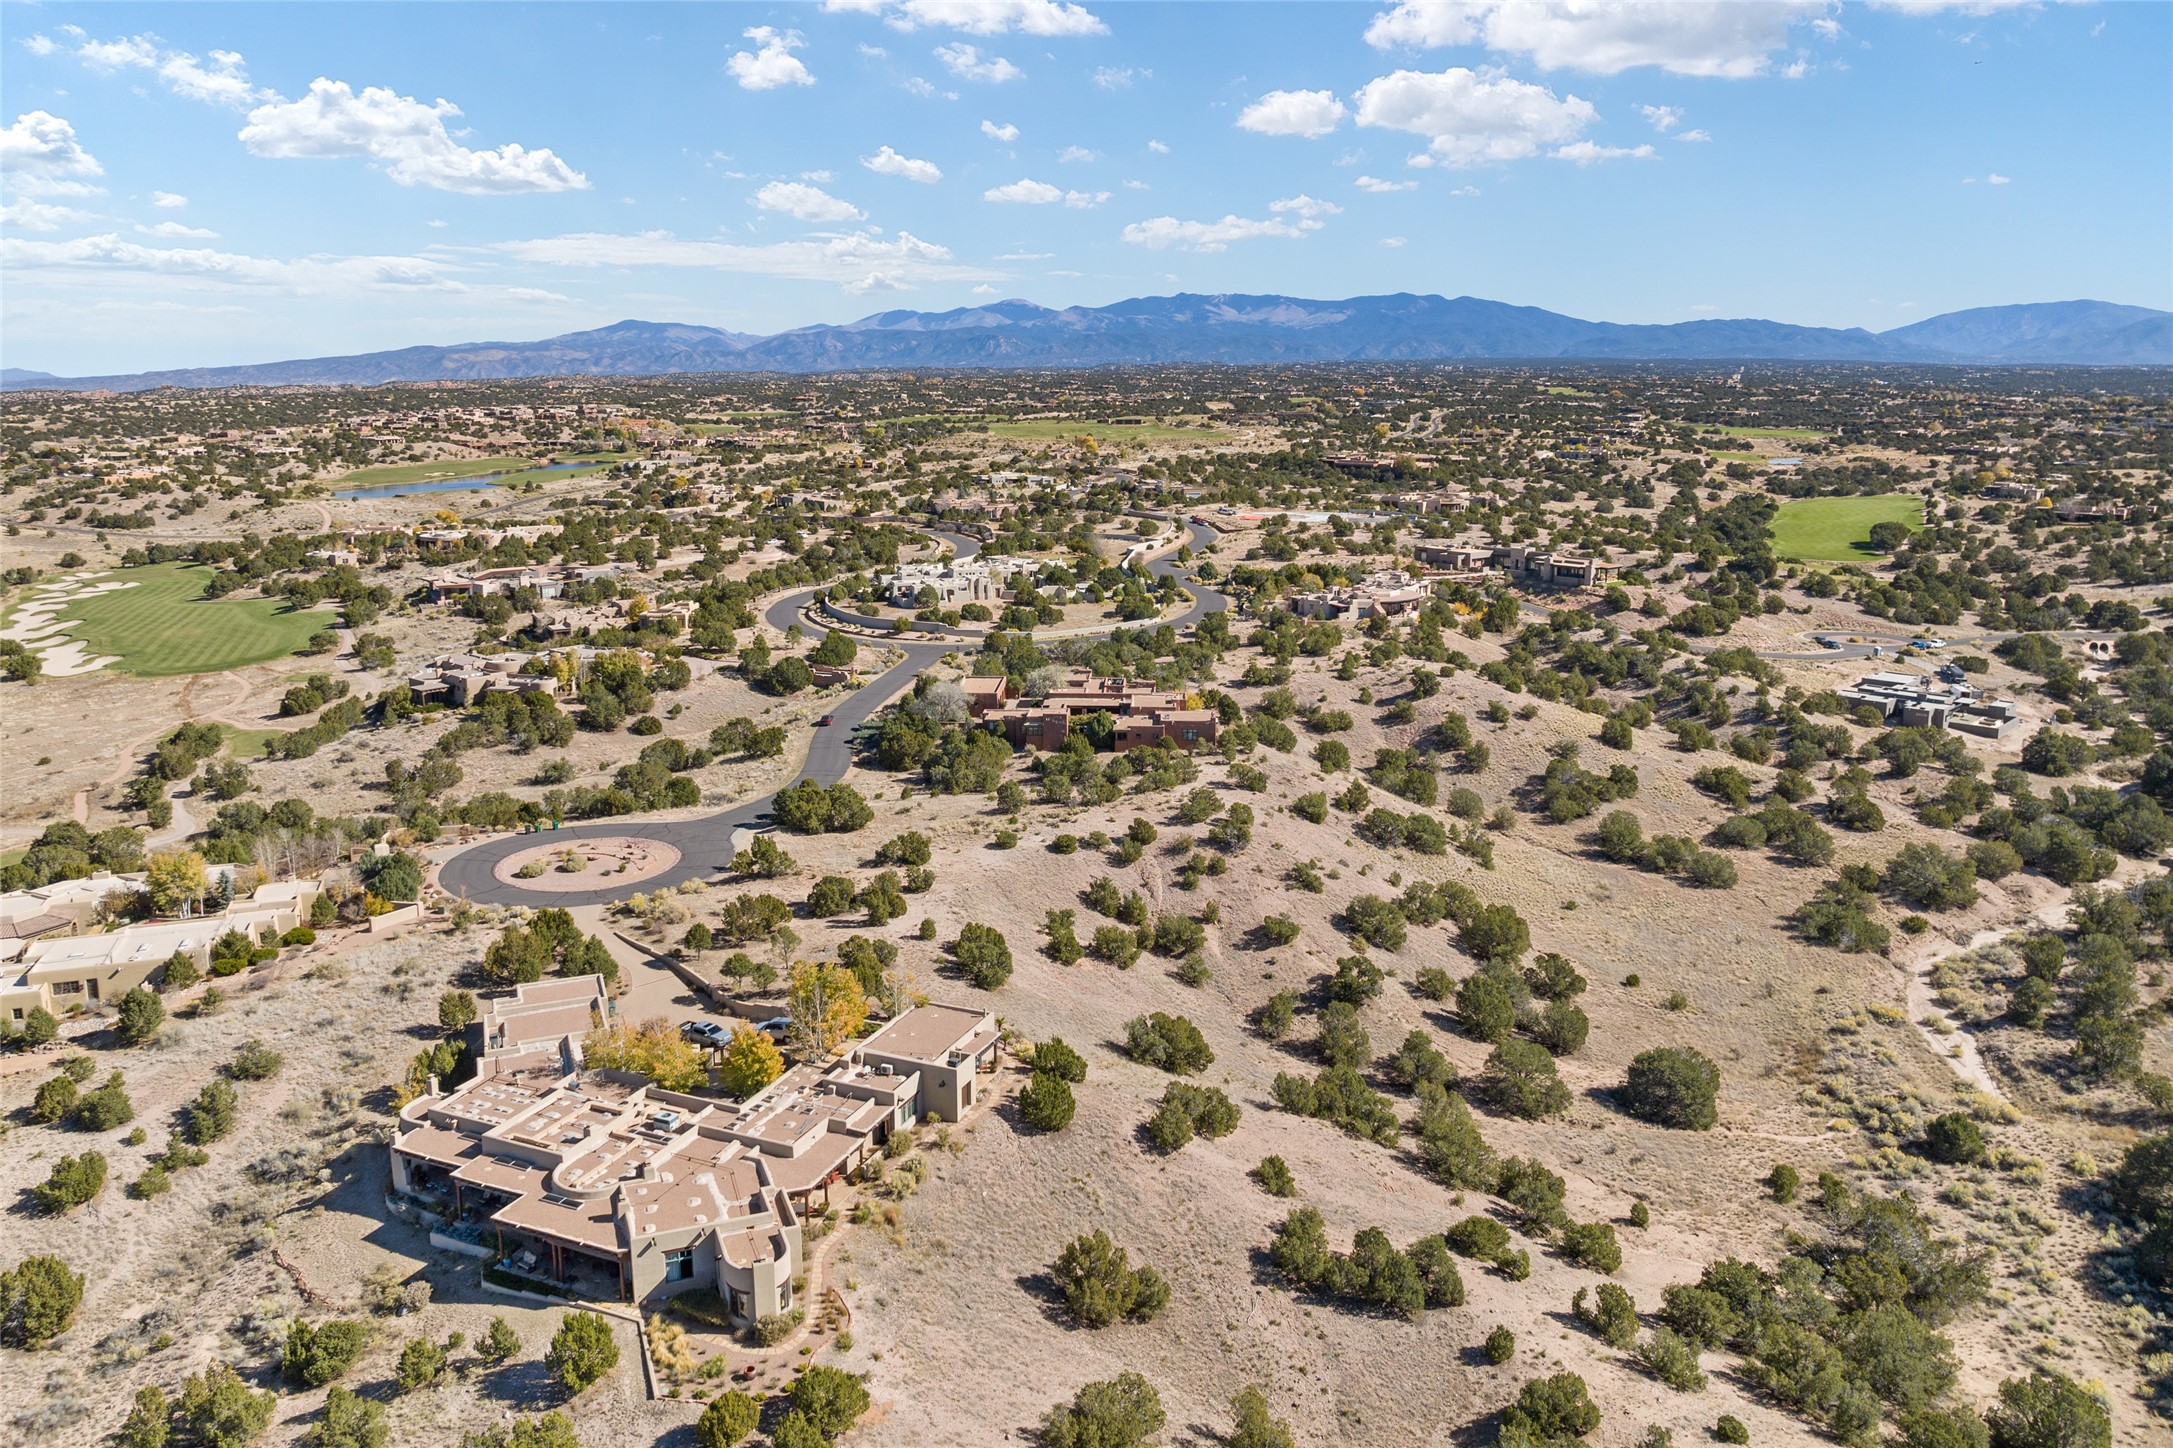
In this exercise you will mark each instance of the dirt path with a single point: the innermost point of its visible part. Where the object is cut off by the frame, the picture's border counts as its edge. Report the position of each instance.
(1948, 1040)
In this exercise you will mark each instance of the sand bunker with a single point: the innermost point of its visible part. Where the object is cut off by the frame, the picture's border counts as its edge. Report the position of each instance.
(575, 865)
(38, 626)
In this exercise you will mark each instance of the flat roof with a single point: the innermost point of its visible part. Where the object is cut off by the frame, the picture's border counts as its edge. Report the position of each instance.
(928, 1033)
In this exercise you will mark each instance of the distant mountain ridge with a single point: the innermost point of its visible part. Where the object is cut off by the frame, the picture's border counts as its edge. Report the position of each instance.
(1231, 329)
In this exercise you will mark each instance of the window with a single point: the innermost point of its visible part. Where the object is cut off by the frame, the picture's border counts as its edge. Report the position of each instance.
(679, 1265)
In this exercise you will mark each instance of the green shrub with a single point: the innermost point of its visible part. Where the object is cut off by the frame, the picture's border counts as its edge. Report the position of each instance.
(1953, 1139)
(1593, 1245)
(830, 1398)
(582, 1350)
(1730, 1429)
(314, 1356)
(1480, 1238)
(255, 1061)
(1123, 1412)
(1101, 1287)
(73, 1181)
(1275, 1177)
(1045, 1102)
(1783, 1183)
(1671, 1360)
(1501, 1345)
(1170, 1043)
(38, 1300)
(1673, 1086)
(730, 1417)
(1552, 1408)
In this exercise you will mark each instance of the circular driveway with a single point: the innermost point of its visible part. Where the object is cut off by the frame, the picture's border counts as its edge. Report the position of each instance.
(704, 844)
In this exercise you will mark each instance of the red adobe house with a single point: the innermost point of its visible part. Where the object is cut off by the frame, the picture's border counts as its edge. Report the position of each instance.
(1144, 714)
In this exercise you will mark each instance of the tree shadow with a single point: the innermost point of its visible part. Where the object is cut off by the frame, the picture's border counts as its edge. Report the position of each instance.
(528, 1385)
(1047, 1296)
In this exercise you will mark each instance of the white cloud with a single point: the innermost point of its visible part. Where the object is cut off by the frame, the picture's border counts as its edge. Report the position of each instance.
(1471, 118)
(175, 231)
(1695, 135)
(967, 63)
(1591, 153)
(1006, 133)
(1392, 241)
(1029, 192)
(223, 81)
(1025, 192)
(1026, 256)
(39, 44)
(1050, 18)
(1995, 179)
(168, 200)
(1293, 113)
(984, 290)
(821, 177)
(1663, 118)
(1379, 187)
(1162, 232)
(1160, 148)
(1131, 185)
(39, 216)
(130, 50)
(845, 259)
(1465, 191)
(1963, 7)
(436, 224)
(337, 275)
(805, 203)
(926, 89)
(1119, 77)
(877, 282)
(887, 162)
(771, 63)
(1076, 153)
(404, 136)
(873, 52)
(1307, 208)
(1724, 38)
(41, 153)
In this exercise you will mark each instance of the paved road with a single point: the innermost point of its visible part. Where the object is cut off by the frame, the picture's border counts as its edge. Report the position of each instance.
(705, 844)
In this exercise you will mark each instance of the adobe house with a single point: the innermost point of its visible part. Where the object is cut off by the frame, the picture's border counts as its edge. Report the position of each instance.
(608, 1186)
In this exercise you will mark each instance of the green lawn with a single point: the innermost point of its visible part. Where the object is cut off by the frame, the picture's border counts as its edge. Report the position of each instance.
(1740, 457)
(163, 625)
(1785, 434)
(1049, 429)
(437, 472)
(248, 743)
(538, 475)
(1838, 530)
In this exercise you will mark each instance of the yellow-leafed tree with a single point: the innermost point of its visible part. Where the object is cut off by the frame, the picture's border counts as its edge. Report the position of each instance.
(827, 1005)
(750, 1062)
(652, 1049)
(173, 878)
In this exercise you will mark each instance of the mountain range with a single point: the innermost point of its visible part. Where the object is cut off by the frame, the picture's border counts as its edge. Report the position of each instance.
(1213, 329)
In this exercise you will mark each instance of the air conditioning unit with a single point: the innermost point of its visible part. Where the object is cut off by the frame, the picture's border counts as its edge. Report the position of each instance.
(884, 1070)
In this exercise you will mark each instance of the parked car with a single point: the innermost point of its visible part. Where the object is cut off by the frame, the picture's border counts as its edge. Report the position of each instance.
(1825, 641)
(1928, 645)
(775, 1027)
(706, 1033)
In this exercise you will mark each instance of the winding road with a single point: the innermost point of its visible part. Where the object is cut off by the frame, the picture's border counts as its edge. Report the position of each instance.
(705, 844)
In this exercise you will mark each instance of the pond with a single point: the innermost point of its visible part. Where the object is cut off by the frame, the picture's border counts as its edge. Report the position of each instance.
(452, 485)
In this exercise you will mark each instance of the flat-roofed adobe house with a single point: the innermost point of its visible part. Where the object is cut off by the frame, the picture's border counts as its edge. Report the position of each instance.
(611, 1187)
(53, 958)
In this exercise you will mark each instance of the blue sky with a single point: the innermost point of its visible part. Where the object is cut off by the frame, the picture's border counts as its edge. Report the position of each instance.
(204, 184)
